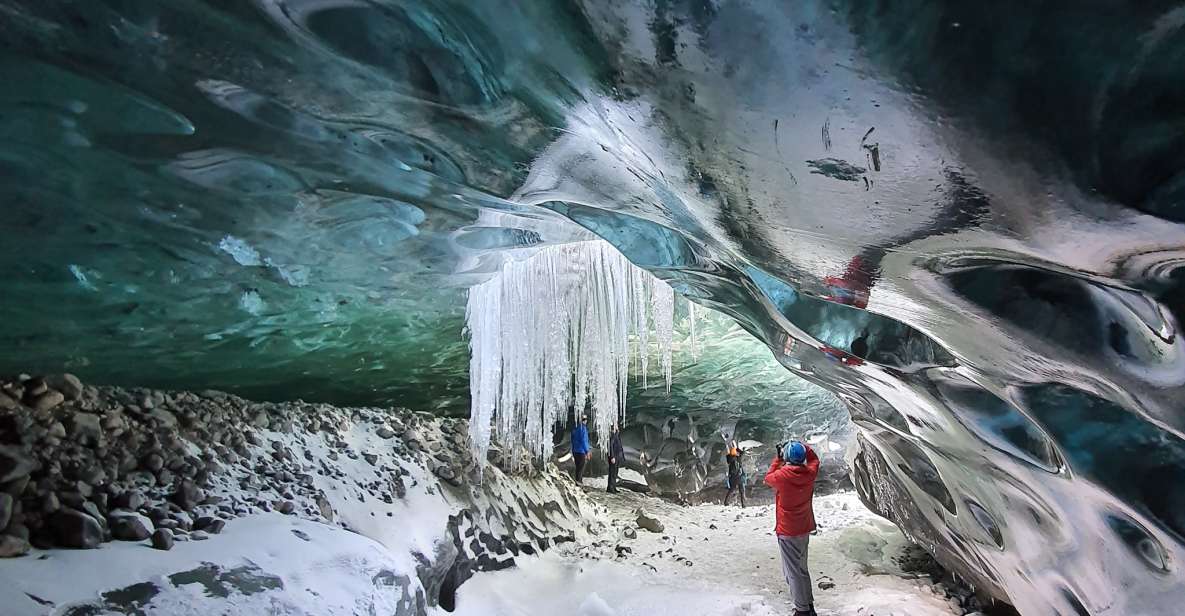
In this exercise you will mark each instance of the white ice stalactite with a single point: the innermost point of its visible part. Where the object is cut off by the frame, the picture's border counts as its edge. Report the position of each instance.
(559, 330)
(663, 303)
(485, 363)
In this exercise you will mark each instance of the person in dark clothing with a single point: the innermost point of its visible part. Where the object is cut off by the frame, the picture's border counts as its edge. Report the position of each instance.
(580, 446)
(736, 479)
(860, 345)
(616, 458)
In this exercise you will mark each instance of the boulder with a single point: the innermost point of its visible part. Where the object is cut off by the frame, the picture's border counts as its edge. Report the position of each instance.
(14, 463)
(68, 384)
(75, 529)
(385, 433)
(164, 418)
(48, 401)
(188, 495)
(648, 523)
(209, 524)
(7, 402)
(153, 462)
(85, 427)
(132, 500)
(6, 501)
(50, 503)
(162, 539)
(129, 528)
(325, 506)
(11, 547)
(93, 511)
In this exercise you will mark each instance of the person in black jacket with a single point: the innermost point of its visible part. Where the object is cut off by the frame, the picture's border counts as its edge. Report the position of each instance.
(616, 457)
(736, 477)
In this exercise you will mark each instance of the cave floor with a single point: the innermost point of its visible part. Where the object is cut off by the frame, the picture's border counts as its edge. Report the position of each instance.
(709, 560)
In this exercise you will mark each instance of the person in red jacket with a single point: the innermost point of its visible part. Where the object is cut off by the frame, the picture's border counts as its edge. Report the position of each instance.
(792, 476)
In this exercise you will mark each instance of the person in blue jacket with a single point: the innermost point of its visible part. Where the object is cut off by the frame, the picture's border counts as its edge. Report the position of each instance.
(580, 446)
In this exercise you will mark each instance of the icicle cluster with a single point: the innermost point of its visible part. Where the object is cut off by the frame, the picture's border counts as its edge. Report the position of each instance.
(558, 330)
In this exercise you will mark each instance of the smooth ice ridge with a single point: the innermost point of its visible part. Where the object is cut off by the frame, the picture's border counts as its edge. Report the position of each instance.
(556, 330)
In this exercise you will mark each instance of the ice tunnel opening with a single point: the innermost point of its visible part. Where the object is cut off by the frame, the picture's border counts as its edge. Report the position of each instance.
(578, 329)
(252, 229)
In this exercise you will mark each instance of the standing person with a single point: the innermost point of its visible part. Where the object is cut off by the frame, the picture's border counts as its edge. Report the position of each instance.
(616, 458)
(792, 476)
(580, 446)
(736, 479)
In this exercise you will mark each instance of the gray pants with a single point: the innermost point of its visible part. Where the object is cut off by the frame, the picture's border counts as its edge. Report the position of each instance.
(795, 569)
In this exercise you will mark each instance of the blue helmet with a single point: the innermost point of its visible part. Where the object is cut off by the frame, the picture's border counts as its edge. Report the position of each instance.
(796, 453)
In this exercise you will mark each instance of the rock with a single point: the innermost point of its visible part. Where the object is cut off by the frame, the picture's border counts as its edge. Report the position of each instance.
(630, 533)
(11, 547)
(188, 495)
(385, 433)
(286, 507)
(325, 506)
(68, 384)
(85, 427)
(35, 387)
(6, 501)
(261, 420)
(57, 430)
(92, 510)
(132, 500)
(75, 529)
(14, 464)
(164, 418)
(129, 528)
(162, 539)
(649, 523)
(50, 503)
(48, 401)
(371, 458)
(19, 531)
(209, 524)
(826, 583)
(7, 402)
(199, 535)
(626, 484)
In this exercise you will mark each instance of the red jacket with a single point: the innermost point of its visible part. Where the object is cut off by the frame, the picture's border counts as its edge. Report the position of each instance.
(794, 486)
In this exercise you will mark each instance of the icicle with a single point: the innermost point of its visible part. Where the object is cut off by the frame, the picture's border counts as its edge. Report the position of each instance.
(559, 330)
(663, 301)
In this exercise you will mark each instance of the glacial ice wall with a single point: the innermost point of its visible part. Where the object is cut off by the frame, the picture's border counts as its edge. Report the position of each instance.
(962, 218)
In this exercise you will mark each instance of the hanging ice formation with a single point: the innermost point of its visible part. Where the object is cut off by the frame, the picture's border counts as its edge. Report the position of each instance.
(556, 330)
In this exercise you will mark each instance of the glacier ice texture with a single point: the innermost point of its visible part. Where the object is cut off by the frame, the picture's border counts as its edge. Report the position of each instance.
(962, 218)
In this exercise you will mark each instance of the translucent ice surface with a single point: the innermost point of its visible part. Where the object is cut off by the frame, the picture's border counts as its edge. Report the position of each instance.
(964, 219)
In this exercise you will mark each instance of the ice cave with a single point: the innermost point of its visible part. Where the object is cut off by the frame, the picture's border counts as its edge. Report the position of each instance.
(592, 307)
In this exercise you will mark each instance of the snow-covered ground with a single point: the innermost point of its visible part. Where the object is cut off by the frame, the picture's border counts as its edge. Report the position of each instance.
(711, 561)
(262, 564)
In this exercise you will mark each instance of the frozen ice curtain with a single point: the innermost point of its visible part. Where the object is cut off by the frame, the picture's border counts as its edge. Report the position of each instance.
(558, 330)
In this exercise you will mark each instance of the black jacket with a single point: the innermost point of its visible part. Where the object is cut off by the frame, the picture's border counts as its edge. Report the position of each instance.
(616, 450)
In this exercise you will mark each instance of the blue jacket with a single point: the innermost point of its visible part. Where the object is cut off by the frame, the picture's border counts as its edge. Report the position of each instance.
(580, 439)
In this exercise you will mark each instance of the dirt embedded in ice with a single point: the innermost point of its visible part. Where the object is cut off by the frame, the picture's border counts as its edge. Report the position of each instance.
(713, 561)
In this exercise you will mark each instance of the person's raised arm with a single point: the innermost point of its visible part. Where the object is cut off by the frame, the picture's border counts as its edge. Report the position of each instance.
(774, 466)
(812, 459)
